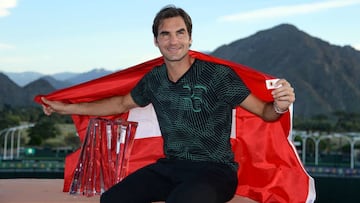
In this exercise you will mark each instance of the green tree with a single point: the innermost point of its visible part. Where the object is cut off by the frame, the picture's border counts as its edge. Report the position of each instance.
(72, 140)
(320, 123)
(8, 118)
(45, 128)
(347, 122)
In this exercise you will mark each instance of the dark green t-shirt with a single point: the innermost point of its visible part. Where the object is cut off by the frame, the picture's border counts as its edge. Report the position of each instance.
(194, 113)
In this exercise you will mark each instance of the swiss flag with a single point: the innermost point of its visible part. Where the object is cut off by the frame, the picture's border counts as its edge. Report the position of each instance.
(270, 169)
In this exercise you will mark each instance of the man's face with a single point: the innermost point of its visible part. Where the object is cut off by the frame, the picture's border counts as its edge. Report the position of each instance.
(173, 39)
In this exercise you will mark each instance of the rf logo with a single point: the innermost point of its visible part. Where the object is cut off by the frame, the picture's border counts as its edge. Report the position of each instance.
(195, 100)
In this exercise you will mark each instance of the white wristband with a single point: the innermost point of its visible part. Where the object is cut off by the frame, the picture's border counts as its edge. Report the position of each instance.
(278, 110)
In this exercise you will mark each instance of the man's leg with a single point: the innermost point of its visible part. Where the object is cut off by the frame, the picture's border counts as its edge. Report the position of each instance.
(142, 186)
(215, 183)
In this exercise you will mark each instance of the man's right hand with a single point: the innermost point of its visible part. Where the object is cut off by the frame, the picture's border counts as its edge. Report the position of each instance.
(53, 106)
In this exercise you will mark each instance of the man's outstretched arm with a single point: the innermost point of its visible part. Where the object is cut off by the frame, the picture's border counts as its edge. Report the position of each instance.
(103, 107)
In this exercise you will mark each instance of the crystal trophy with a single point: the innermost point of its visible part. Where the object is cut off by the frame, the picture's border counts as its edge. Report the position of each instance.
(104, 156)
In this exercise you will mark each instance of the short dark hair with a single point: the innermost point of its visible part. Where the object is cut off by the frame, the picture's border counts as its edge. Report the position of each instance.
(169, 12)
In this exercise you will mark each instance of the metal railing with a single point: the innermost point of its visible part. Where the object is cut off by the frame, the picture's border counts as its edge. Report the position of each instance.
(11, 131)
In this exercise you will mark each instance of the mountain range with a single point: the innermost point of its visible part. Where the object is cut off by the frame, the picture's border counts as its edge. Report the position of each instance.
(324, 76)
(58, 80)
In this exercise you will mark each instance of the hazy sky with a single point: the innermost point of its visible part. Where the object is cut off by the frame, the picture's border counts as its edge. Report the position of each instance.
(52, 36)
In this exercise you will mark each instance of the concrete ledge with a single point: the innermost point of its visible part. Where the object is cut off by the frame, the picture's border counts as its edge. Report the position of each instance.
(50, 191)
(39, 191)
(236, 199)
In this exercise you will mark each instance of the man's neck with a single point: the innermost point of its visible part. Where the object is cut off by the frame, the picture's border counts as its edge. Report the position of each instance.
(176, 69)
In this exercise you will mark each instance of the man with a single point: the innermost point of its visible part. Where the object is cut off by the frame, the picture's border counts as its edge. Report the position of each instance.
(193, 100)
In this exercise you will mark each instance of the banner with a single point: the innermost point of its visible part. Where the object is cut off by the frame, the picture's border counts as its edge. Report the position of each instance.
(270, 169)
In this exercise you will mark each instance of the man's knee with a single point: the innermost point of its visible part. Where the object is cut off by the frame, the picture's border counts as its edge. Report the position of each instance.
(194, 193)
(105, 198)
(114, 195)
